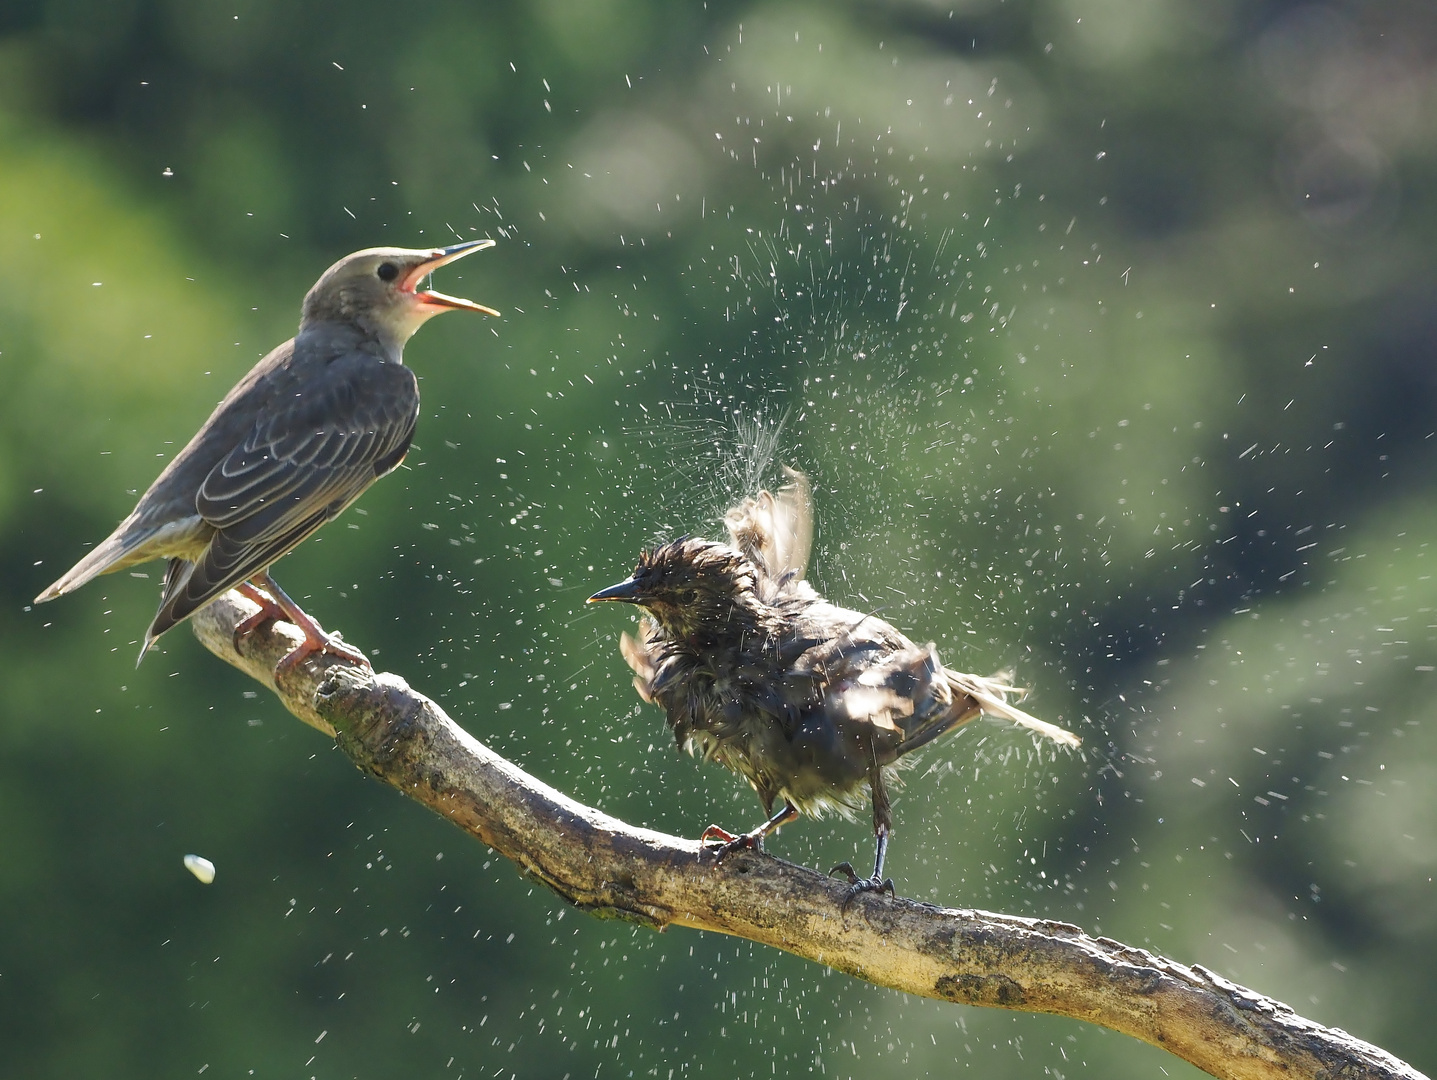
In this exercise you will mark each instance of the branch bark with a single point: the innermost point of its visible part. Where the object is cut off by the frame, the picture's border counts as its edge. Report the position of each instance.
(607, 867)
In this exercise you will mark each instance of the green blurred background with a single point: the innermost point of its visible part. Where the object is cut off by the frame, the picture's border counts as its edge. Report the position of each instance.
(1104, 327)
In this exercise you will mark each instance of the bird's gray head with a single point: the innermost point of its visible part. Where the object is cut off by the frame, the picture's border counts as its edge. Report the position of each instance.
(377, 289)
(696, 589)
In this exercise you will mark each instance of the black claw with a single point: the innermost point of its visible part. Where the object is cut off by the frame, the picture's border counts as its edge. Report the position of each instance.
(863, 885)
(846, 869)
(722, 849)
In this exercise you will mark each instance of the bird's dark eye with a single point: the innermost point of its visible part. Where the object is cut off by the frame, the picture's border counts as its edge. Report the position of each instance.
(387, 271)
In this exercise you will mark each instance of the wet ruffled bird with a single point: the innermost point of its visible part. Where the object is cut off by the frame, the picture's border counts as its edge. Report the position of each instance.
(812, 704)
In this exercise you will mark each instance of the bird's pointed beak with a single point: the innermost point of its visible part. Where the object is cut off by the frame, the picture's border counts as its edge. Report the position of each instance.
(627, 591)
(436, 302)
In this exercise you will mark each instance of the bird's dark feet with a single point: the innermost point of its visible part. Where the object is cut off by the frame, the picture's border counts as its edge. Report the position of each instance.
(858, 885)
(724, 843)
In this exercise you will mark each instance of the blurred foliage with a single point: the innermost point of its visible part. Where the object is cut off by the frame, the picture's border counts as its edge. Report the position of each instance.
(1103, 326)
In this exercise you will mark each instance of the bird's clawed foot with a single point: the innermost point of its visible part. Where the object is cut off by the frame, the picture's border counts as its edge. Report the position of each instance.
(724, 843)
(323, 643)
(268, 609)
(858, 885)
(280, 607)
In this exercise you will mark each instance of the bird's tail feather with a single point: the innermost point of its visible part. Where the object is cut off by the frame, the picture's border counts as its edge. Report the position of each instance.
(992, 695)
(113, 553)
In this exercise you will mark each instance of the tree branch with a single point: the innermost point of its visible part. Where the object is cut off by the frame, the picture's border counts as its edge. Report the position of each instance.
(606, 867)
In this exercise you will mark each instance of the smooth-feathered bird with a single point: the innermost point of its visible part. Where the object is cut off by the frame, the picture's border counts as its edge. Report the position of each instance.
(295, 442)
(812, 704)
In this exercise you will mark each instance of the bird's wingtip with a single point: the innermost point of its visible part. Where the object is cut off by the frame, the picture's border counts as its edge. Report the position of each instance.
(150, 639)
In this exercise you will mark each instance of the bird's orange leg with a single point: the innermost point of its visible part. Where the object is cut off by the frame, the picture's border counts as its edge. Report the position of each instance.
(268, 609)
(728, 843)
(276, 604)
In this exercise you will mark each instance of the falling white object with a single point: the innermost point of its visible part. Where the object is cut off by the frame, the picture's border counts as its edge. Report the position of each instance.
(201, 867)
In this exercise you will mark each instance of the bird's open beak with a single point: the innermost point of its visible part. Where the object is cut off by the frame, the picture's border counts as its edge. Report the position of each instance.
(443, 257)
(627, 591)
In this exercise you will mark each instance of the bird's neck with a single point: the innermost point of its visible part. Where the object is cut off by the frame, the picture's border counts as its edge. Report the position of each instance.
(720, 623)
(339, 336)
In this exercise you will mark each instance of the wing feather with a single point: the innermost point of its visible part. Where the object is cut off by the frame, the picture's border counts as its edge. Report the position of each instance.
(776, 531)
(299, 466)
(318, 448)
(224, 565)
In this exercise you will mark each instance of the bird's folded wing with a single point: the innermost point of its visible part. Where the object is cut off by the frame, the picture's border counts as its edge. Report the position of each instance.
(337, 434)
(225, 564)
(297, 467)
(899, 692)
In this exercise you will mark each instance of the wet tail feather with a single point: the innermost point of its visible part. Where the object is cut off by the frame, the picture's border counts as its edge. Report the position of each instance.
(992, 696)
(975, 696)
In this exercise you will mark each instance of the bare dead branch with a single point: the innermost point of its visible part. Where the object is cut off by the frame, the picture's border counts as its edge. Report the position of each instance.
(604, 866)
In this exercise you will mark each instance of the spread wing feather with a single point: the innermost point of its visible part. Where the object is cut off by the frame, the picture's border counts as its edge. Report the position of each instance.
(776, 531)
